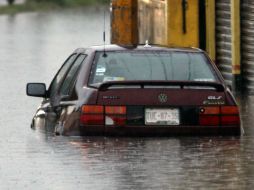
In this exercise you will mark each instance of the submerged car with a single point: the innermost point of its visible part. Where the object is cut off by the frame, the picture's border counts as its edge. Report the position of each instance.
(137, 91)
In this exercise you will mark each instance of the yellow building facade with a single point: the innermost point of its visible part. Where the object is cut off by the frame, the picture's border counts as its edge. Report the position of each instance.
(212, 25)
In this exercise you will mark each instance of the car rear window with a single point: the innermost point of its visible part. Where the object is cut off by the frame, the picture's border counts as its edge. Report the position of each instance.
(151, 65)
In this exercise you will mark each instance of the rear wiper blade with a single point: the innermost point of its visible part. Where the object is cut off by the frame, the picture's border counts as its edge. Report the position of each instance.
(218, 86)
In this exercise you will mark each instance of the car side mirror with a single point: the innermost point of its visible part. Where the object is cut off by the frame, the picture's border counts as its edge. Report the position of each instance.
(36, 89)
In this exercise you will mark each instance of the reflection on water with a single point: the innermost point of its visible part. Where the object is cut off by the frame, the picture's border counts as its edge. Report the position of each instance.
(32, 48)
(146, 163)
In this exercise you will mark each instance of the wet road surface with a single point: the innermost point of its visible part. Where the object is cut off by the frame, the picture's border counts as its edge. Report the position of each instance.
(32, 48)
(5, 2)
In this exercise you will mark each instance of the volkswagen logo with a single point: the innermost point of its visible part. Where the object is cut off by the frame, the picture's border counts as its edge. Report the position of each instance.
(163, 98)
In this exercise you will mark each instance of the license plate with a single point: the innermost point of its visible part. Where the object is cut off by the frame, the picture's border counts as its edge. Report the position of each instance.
(162, 117)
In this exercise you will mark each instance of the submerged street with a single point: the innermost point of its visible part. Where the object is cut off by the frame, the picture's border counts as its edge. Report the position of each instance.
(32, 48)
(5, 2)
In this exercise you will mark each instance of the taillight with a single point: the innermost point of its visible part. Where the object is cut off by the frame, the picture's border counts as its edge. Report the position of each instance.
(121, 110)
(219, 115)
(103, 115)
(229, 110)
(209, 120)
(92, 115)
(210, 110)
(230, 120)
(115, 115)
(230, 115)
(88, 109)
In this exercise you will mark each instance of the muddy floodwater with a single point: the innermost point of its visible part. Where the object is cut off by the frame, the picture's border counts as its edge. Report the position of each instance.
(32, 48)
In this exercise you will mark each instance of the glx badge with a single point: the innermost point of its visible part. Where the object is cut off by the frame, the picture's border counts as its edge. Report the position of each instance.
(214, 100)
(214, 97)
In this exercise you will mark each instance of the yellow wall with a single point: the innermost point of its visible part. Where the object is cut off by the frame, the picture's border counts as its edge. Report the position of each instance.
(176, 36)
(161, 22)
(235, 24)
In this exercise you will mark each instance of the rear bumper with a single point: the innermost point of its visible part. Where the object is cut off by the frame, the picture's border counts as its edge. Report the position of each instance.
(160, 131)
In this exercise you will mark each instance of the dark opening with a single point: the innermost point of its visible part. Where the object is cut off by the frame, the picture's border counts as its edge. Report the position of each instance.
(202, 24)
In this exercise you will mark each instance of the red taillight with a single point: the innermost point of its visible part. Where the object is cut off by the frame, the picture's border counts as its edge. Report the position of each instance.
(115, 120)
(100, 115)
(115, 115)
(92, 115)
(230, 115)
(92, 119)
(215, 116)
(209, 120)
(230, 120)
(115, 109)
(210, 110)
(229, 110)
(87, 109)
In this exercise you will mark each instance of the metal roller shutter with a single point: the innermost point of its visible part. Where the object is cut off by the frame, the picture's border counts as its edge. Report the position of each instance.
(247, 43)
(223, 39)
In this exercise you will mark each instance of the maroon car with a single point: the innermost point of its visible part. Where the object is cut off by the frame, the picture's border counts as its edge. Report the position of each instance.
(137, 91)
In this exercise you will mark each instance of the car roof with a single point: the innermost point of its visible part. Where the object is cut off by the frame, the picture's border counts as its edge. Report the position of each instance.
(141, 47)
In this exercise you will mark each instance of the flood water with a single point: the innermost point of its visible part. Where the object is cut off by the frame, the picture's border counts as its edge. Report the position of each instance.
(32, 48)
(5, 2)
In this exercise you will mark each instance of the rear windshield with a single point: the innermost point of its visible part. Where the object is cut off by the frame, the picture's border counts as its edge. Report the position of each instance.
(147, 66)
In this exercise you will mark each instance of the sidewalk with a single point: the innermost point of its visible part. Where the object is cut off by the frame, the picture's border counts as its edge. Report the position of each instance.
(4, 2)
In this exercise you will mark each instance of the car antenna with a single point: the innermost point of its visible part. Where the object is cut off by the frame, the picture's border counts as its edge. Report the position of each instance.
(147, 44)
(104, 36)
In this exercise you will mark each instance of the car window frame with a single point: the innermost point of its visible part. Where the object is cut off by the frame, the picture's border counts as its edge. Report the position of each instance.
(71, 92)
(49, 95)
